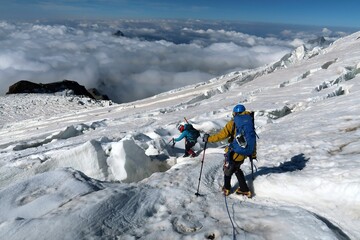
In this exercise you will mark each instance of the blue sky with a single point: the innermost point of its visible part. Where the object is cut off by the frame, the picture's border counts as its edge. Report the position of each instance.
(304, 12)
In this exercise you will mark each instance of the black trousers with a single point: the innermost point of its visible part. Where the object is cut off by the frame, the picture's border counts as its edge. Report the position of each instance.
(234, 167)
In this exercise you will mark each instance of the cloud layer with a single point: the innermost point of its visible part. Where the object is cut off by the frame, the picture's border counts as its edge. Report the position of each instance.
(152, 57)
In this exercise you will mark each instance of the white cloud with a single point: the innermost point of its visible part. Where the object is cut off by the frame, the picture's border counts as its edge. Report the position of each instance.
(297, 42)
(152, 58)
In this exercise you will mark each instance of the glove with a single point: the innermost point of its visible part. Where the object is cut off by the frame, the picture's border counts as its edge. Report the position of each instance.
(206, 137)
(172, 141)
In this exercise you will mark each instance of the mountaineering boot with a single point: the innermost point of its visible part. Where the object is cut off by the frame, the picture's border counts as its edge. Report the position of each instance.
(226, 192)
(191, 153)
(186, 155)
(247, 194)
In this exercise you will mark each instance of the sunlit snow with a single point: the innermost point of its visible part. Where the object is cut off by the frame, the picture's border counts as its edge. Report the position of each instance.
(73, 168)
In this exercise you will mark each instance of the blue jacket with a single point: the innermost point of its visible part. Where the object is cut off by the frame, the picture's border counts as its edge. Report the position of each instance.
(188, 135)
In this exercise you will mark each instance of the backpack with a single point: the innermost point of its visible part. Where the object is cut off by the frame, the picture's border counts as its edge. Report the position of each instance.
(193, 133)
(244, 142)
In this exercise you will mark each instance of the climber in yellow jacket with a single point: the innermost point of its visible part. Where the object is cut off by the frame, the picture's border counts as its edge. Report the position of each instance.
(233, 160)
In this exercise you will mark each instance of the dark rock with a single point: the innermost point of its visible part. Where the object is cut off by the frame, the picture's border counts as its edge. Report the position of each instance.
(119, 33)
(97, 95)
(24, 86)
(320, 41)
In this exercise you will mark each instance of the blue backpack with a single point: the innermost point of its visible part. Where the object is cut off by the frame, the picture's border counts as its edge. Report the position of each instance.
(244, 142)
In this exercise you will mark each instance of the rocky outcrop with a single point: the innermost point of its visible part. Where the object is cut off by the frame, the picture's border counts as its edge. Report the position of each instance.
(25, 86)
(119, 33)
(320, 41)
(97, 95)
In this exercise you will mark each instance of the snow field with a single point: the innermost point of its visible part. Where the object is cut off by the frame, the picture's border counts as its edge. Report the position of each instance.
(108, 172)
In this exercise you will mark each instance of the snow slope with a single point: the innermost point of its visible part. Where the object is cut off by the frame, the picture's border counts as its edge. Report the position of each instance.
(71, 168)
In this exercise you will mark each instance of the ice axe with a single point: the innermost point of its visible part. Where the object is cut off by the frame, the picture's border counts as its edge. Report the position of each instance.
(186, 120)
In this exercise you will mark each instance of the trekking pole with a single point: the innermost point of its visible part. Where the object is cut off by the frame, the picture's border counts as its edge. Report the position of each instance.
(252, 167)
(173, 142)
(202, 163)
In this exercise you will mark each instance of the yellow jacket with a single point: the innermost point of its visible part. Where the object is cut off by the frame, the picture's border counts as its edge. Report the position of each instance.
(228, 132)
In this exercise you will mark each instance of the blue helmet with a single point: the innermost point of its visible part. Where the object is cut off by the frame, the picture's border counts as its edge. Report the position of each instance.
(239, 108)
